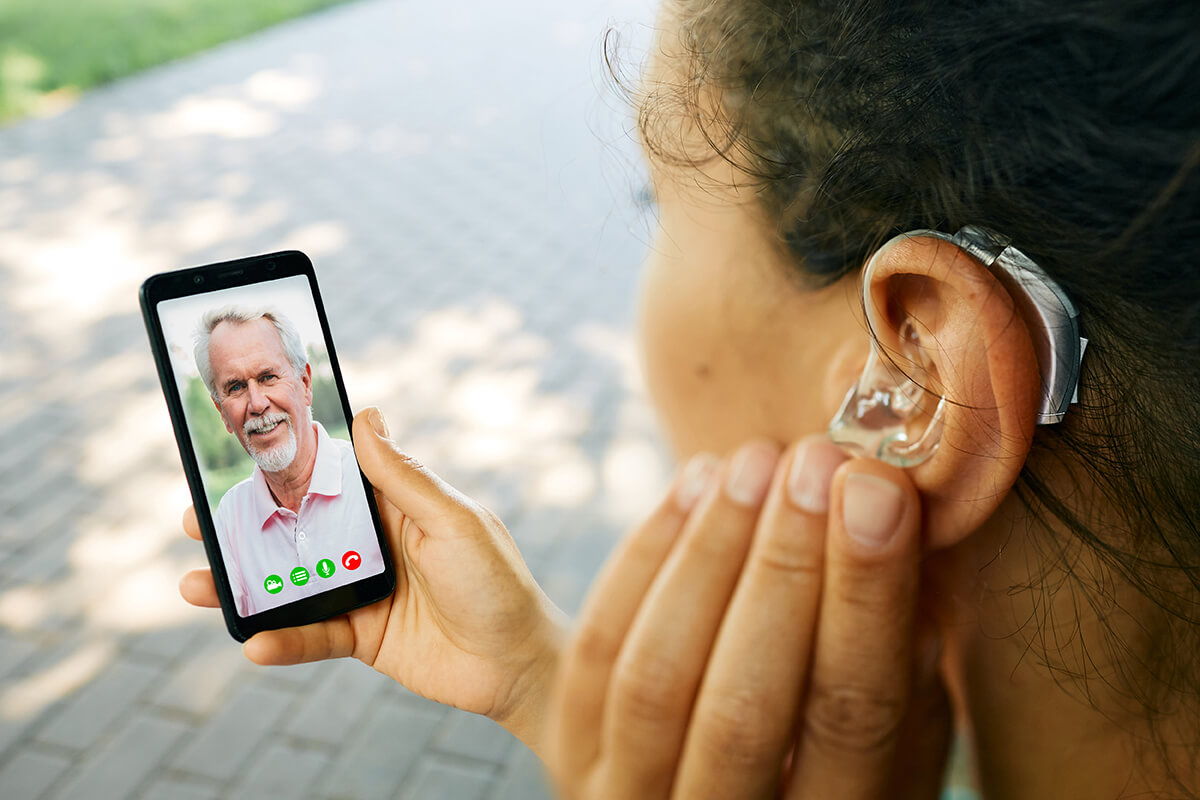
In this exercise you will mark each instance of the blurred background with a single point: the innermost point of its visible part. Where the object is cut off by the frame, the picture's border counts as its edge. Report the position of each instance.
(465, 180)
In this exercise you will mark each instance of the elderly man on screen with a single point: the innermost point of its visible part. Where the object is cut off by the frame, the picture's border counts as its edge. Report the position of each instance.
(300, 524)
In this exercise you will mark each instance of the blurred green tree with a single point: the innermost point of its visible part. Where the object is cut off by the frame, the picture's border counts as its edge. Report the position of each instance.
(326, 407)
(223, 461)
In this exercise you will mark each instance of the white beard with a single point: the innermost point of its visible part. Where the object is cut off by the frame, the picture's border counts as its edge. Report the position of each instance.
(280, 457)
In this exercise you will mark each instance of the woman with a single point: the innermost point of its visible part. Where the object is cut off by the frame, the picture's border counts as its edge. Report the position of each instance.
(793, 621)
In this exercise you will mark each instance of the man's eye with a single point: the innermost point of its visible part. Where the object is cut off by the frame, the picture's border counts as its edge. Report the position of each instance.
(234, 389)
(267, 378)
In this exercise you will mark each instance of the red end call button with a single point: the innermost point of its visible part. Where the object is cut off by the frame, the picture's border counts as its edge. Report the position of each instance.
(351, 560)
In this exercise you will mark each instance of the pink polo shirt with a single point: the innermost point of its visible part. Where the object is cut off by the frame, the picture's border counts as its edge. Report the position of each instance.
(275, 556)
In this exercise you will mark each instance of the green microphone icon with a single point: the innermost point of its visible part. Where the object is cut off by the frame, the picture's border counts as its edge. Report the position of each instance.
(325, 567)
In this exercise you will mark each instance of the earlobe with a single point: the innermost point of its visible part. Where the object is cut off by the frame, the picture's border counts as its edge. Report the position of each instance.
(952, 386)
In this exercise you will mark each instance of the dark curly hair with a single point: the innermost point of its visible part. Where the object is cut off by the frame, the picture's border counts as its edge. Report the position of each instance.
(1071, 127)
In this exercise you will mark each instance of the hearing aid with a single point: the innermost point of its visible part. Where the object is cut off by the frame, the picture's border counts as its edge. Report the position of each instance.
(880, 411)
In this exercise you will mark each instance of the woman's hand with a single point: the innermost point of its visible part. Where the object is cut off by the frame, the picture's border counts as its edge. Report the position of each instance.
(757, 637)
(467, 624)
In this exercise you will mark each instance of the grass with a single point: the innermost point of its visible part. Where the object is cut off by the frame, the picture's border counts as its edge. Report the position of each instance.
(50, 50)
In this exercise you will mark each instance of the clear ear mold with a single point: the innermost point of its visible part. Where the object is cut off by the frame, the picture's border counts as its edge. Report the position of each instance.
(876, 416)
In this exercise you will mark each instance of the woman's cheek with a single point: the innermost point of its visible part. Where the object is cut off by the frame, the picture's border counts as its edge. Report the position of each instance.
(691, 372)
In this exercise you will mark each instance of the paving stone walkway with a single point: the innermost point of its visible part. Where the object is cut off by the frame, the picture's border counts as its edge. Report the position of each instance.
(463, 179)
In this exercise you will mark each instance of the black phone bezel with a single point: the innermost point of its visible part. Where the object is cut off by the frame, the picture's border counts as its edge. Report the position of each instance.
(192, 281)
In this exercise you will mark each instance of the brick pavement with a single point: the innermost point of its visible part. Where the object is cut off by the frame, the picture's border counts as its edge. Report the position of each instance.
(464, 184)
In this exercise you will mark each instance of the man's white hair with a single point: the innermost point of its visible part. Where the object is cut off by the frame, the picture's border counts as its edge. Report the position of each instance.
(293, 348)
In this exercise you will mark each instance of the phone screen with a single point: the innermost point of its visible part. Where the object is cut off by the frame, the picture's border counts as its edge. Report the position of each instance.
(252, 380)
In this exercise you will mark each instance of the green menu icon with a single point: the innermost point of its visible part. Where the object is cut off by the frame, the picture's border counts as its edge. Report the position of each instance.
(299, 576)
(325, 567)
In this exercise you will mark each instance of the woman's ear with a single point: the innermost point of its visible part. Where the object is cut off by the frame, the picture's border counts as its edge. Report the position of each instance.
(945, 321)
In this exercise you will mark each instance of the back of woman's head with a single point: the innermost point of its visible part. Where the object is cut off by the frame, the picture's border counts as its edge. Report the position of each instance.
(1073, 129)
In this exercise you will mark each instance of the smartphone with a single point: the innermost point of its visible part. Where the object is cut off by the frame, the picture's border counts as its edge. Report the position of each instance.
(256, 398)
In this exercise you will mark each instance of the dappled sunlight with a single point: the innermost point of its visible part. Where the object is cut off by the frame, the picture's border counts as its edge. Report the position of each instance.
(339, 137)
(479, 376)
(287, 90)
(26, 698)
(122, 440)
(211, 222)
(635, 475)
(18, 170)
(146, 598)
(122, 576)
(566, 479)
(114, 549)
(615, 346)
(25, 608)
(491, 400)
(634, 469)
(390, 139)
(232, 185)
(226, 117)
(76, 275)
(117, 148)
(79, 238)
(251, 111)
(458, 331)
(88, 266)
(463, 293)
(316, 240)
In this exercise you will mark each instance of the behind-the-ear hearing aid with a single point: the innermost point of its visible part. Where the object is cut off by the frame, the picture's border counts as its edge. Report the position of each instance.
(874, 418)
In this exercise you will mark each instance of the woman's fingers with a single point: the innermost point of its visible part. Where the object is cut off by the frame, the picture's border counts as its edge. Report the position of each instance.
(332, 638)
(659, 669)
(607, 614)
(744, 718)
(197, 588)
(190, 524)
(862, 665)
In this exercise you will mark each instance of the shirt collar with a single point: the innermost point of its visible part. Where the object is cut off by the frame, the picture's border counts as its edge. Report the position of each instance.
(326, 478)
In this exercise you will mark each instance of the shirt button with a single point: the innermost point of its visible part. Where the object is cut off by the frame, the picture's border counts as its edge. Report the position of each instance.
(301, 536)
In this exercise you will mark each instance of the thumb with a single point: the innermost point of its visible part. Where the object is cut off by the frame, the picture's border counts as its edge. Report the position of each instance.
(407, 483)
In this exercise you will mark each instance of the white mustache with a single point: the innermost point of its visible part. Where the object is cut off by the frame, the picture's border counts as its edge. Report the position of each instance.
(256, 424)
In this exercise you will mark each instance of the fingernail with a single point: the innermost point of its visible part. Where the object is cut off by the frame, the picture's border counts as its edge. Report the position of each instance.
(378, 423)
(750, 473)
(811, 475)
(694, 479)
(871, 508)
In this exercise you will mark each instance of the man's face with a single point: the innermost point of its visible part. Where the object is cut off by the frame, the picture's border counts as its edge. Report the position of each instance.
(261, 399)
